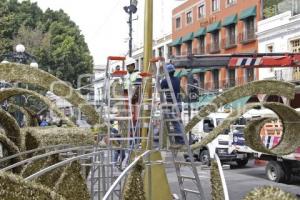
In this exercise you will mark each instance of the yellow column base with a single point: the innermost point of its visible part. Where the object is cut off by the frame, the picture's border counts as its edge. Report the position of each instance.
(157, 188)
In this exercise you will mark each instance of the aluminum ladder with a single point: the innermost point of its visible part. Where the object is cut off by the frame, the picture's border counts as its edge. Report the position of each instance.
(170, 114)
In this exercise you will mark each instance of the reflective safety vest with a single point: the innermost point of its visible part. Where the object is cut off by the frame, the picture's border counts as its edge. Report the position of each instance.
(130, 79)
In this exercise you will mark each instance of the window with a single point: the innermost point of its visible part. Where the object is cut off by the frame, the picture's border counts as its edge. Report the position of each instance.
(250, 74)
(189, 17)
(296, 7)
(215, 5)
(231, 75)
(295, 48)
(169, 51)
(201, 11)
(161, 51)
(208, 125)
(249, 29)
(230, 2)
(231, 36)
(178, 22)
(215, 42)
(201, 79)
(269, 49)
(178, 50)
(202, 45)
(142, 64)
(189, 48)
(137, 61)
(216, 78)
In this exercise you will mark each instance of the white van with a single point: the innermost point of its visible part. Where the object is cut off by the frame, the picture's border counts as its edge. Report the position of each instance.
(220, 145)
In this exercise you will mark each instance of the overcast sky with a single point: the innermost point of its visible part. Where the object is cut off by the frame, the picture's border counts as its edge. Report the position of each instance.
(104, 23)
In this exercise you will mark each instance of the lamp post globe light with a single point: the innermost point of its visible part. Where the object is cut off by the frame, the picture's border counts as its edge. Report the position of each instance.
(20, 48)
(19, 56)
(130, 10)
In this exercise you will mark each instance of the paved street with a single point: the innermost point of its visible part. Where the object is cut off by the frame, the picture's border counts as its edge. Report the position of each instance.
(239, 181)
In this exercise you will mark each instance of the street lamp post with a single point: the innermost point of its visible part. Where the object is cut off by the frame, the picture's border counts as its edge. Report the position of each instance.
(19, 56)
(131, 9)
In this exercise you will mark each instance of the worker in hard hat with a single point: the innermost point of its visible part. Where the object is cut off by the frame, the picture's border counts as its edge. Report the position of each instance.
(132, 86)
(175, 83)
(176, 88)
(133, 78)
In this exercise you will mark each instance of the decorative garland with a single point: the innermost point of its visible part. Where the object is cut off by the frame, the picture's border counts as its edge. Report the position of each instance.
(291, 126)
(71, 183)
(27, 74)
(34, 122)
(216, 183)
(13, 187)
(269, 87)
(269, 193)
(10, 92)
(33, 167)
(134, 188)
(11, 127)
(235, 115)
(50, 178)
(41, 137)
(28, 118)
(11, 149)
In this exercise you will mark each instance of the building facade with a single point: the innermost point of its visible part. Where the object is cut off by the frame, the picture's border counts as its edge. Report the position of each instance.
(217, 27)
(281, 33)
(161, 48)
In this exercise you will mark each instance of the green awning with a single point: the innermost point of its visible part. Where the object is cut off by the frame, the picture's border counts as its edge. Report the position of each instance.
(199, 70)
(185, 72)
(212, 68)
(239, 103)
(188, 37)
(177, 42)
(205, 99)
(202, 101)
(177, 73)
(214, 27)
(232, 19)
(200, 32)
(249, 12)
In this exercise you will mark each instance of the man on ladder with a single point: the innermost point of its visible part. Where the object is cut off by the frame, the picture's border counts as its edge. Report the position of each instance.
(132, 87)
(176, 87)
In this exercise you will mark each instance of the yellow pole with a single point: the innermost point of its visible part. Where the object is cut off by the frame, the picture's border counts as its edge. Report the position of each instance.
(156, 182)
(148, 35)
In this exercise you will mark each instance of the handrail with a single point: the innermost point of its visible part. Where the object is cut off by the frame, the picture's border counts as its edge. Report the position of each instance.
(32, 151)
(59, 164)
(112, 187)
(41, 156)
(225, 189)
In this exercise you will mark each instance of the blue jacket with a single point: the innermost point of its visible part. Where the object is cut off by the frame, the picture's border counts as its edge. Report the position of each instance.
(44, 123)
(176, 87)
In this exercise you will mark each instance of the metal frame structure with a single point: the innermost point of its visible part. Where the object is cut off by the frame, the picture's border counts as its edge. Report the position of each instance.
(247, 60)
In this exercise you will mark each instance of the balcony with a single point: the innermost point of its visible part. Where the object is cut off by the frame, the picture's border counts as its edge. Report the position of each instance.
(247, 36)
(187, 53)
(289, 74)
(271, 9)
(199, 51)
(229, 43)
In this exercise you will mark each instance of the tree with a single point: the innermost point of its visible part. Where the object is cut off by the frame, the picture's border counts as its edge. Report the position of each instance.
(51, 36)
